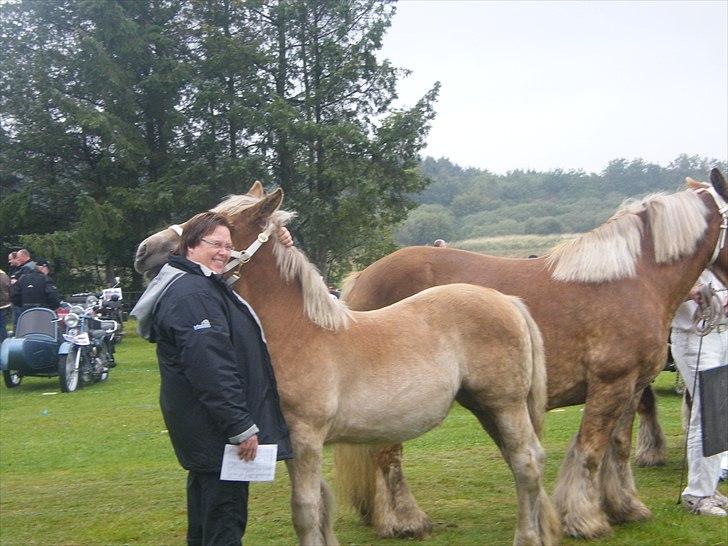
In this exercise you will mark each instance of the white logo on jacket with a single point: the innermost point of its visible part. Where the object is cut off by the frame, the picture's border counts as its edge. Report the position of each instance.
(201, 326)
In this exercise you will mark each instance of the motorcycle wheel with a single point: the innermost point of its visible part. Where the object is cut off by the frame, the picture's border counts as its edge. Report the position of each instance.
(69, 370)
(12, 378)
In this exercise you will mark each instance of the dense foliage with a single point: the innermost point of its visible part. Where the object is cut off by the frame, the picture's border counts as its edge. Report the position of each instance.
(469, 203)
(118, 117)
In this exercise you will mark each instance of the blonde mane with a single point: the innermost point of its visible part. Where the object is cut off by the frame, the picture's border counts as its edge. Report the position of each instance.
(323, 309)
(610, 252)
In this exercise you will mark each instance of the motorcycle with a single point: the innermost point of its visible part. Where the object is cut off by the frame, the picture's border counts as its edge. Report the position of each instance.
(107, 305)
(90, 352)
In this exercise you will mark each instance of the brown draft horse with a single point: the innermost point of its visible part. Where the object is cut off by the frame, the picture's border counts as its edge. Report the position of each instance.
(388, 375)
(604, 303)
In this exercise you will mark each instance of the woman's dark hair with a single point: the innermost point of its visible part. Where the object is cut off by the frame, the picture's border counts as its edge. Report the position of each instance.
(198, 227)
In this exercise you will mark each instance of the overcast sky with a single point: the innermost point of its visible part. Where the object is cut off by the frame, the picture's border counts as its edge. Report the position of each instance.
(568, 84)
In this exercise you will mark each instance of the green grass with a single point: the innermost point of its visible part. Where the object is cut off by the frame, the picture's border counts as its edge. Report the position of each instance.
(513, 246)
(95, 467)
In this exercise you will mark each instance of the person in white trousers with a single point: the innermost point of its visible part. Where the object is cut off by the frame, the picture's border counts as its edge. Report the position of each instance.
(701, 495)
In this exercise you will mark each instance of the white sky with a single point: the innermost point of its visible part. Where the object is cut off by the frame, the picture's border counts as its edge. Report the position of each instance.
(570, 84)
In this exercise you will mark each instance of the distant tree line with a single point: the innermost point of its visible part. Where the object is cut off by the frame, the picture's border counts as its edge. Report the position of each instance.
(469, 203)
(118, 117)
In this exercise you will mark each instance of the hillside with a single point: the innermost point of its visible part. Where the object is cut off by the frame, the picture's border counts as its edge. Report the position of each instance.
(472, 204)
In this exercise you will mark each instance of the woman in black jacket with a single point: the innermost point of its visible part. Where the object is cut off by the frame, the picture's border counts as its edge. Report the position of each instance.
(217, 383)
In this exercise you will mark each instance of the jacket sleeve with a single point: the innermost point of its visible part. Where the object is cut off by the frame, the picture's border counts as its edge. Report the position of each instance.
(202, 335)
(53, 299)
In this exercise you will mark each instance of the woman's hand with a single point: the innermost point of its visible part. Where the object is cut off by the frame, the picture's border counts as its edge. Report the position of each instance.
(249, 448)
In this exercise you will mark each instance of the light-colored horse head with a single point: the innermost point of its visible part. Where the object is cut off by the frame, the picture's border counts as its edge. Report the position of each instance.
(153, 252)
(720, 186)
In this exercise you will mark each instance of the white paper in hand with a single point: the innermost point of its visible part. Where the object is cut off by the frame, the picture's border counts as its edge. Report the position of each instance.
(260, 469)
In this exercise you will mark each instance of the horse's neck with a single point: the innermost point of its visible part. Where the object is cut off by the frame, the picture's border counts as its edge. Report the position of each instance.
(675, 279)
(278, 304)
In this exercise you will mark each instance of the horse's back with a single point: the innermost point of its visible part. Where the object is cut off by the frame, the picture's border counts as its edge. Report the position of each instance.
(410, 270)
(467, 303)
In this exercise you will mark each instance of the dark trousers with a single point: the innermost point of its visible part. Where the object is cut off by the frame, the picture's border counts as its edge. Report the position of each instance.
(217, 511)
(17, 310)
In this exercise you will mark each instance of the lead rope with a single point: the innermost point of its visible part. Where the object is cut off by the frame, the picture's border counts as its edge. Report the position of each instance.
(709, 312)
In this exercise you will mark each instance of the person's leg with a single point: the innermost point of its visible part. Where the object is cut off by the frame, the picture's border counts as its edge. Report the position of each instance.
(16, 315)
(703, 472)
(194, 510)
(224, 512)
(3, 321)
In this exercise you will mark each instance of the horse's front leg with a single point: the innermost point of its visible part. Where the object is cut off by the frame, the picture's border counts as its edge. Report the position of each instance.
(577, 496)
(619, 494)
(309, 496)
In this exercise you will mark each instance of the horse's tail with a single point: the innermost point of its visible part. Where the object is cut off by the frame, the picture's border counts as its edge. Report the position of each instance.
(537, 395)
(355, 477)
(348, 285)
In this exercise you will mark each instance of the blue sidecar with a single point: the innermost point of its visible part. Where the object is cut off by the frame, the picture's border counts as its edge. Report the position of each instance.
(36, 348)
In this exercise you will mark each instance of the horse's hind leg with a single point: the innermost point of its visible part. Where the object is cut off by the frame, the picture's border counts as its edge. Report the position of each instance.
(651, 447)
(371, 479)
(513, 433)
(538, 522)
(395, 512)
(619, 494)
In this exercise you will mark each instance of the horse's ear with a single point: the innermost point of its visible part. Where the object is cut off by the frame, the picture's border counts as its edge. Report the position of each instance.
(266, 206)
(693, 184)
(256, 190)
(716, 178)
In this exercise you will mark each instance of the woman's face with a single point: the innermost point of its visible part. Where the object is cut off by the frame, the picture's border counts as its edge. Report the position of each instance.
(213, 250)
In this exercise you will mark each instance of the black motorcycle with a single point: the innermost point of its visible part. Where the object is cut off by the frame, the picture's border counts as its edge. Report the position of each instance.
(90, 355)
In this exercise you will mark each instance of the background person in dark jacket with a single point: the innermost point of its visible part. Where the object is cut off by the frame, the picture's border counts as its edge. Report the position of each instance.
(35, 289)
(5, 308)
(217, 383)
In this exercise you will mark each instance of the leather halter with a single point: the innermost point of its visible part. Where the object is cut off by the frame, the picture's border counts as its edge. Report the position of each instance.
(239, 259)
(723, 211)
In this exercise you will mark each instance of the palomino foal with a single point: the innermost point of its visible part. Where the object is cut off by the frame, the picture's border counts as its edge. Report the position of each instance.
(392, 374)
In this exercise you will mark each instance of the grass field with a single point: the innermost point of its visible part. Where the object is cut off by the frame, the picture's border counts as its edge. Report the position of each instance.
(514, 246)
(96, 467)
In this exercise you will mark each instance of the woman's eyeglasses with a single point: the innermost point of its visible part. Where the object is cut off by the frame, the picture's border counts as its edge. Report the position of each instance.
(218, 245)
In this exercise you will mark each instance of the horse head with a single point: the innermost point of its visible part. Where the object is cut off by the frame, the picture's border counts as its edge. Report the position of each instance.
(718, 190)
(153, 252)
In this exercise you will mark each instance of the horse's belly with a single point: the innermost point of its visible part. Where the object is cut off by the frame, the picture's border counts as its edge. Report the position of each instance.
(385, 419)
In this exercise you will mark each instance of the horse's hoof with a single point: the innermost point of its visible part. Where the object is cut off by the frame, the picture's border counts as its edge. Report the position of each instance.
(597, 527)
(650, 459)
(418, 527)
(634, 511)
